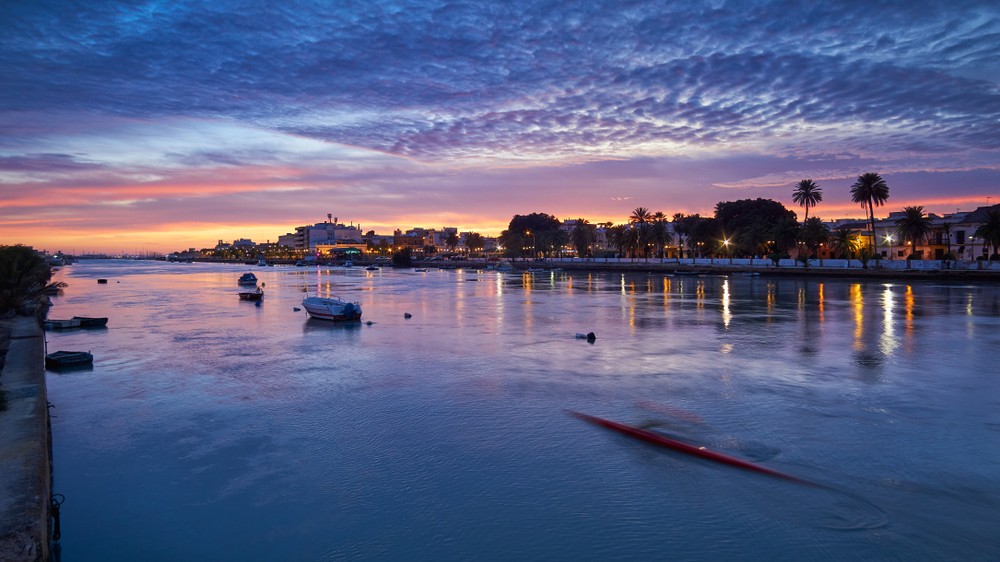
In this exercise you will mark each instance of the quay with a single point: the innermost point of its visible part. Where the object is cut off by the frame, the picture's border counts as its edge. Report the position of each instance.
(25, 453)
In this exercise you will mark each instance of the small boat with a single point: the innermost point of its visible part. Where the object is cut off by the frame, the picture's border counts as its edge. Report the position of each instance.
(371, 268)
(332, 308)
(62, 324)
(255, 295)
(102, 281)
(420, 270)
(248, 279)
(687, 448)
(68, 359)
(89, 322)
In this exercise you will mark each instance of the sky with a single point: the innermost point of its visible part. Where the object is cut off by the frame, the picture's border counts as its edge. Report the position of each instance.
(162, 125)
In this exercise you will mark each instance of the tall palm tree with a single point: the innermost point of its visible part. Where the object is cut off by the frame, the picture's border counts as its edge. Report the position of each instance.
(807, 194)
(914, 226)
(640, 215)
(989, 231)
(871, 191)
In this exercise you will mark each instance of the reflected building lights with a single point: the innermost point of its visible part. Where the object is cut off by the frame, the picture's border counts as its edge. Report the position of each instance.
(888, 342)
(859, 316)
(727, 315)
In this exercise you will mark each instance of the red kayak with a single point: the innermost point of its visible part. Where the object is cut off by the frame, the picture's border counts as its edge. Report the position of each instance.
(664, 441)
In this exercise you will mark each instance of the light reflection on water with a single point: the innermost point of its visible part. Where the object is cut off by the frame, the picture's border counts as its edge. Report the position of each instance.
(214, 429)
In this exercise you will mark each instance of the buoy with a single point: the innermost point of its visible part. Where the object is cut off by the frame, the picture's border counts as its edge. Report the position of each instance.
(407, 315)
(296, 309)
(369, 323)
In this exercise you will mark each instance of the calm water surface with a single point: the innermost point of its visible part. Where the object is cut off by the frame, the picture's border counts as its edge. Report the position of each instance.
(214, 429)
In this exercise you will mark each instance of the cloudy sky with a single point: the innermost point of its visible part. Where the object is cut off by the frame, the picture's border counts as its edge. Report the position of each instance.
(169, 124)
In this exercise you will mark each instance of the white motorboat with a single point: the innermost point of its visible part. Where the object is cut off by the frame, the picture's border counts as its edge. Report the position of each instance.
(332, 308)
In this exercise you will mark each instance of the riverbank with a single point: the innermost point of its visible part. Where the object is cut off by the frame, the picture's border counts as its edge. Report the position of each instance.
(25, 471)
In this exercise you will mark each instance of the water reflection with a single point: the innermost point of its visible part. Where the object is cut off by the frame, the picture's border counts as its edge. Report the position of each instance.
(427, 438)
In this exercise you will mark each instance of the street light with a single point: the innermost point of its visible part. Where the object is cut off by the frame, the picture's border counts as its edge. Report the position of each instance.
(888, 241)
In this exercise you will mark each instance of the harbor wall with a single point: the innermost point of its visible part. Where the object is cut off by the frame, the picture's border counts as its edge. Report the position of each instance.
(25, 469)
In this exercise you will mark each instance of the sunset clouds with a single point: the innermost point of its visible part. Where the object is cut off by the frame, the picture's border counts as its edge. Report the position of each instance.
(397, 114)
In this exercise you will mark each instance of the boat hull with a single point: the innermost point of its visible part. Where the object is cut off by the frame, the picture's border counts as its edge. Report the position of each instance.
(333, 310)
(68, 359)
(88, 322)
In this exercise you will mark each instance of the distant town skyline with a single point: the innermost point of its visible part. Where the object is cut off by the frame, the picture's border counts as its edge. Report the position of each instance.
(157, 127)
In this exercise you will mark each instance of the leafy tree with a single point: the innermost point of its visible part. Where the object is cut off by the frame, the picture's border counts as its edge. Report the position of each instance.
(24, 277)
(451, 241)
(526, 228)
(807, 194)
(989, 231)
(871, 191)
(785, 233)
(738, 217)
(913, 226)
(403, 257)
(946, 228)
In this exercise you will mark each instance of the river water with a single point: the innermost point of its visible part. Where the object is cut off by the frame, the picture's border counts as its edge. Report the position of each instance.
(215, 429)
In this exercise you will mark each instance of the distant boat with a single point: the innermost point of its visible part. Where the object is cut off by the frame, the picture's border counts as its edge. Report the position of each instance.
(371, 268)
(262, 262)
(68, 359)
(54, 324)
(420, 270)
(332, 308)
(248, 279)
(89, 322)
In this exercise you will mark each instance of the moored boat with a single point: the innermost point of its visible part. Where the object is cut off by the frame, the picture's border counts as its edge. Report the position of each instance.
(91, 322)
(54, 324)
(248, 279)
(255, 295)
(332, 308)
(68, 359)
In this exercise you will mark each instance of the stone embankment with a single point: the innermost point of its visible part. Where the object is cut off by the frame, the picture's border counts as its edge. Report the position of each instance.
(25, 471)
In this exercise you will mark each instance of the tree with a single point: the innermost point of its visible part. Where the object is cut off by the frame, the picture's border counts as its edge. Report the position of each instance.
(807, 194)
(474, 242)
(813, 233)
(526, 228)
(913, 226)
(583, 237)
(760, 215)
(24, 277)
(640, 215)
(871, 191)
(550, 242)
(946, 228)
(845, 242)
(451, 241)
(989, 231)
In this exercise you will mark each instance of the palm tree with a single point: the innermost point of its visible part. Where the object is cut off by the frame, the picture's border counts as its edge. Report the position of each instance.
(989, 231)
(640, 215)
(813, 233)
(845, 242)
(871, 191)
(583, 237)
(807, 193)
(946, 231)
(914, 226)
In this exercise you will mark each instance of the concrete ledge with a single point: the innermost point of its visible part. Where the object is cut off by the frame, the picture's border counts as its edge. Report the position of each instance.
(25, 473)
